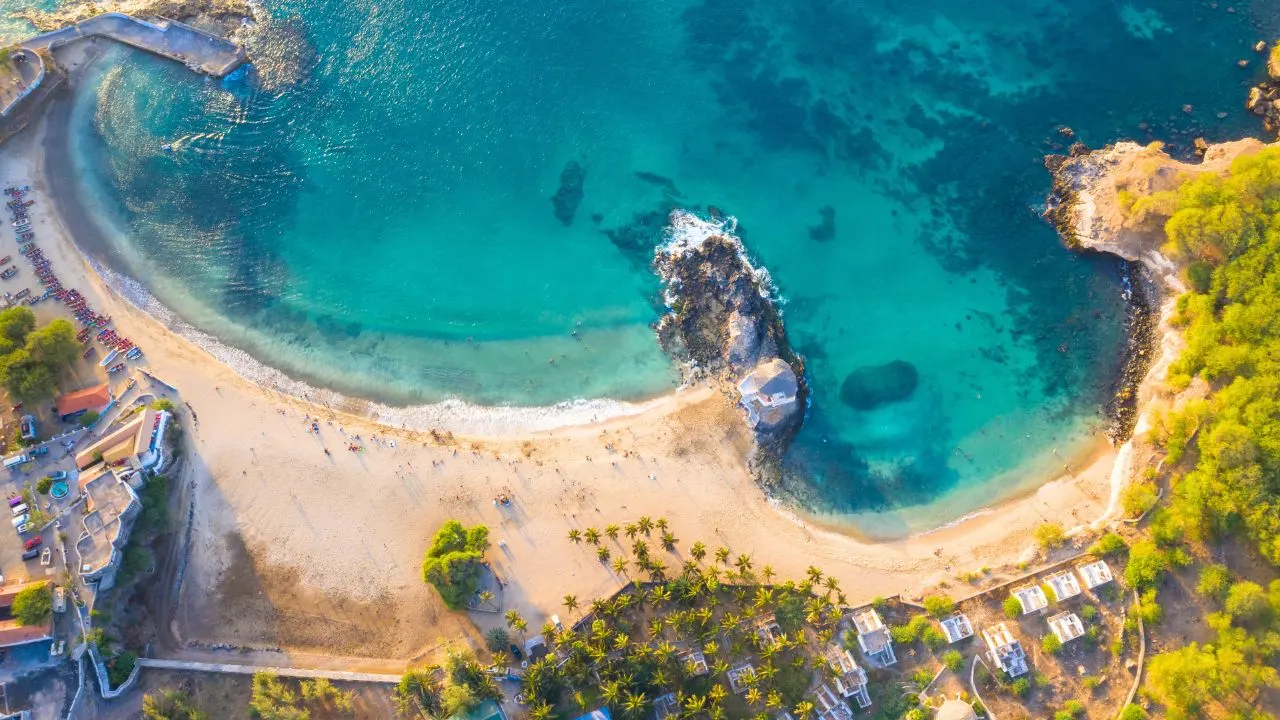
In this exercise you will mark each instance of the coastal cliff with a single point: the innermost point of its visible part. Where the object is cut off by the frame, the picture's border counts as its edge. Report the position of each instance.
(723, 325)
(1109, 201)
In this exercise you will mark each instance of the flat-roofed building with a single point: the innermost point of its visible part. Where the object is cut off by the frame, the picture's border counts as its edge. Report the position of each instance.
(1066, 626)
(873, 637)
(138, 443)
(850, 680)
(1032, 598)
(1064, 585)
(957, 627)
(1095, 573)
(1005, 651)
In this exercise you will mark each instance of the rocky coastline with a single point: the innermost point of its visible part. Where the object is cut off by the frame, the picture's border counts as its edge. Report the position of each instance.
(1091, 206)
(723, 326)
(224, 17)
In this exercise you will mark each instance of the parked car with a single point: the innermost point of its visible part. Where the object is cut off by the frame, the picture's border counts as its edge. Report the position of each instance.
(33, 543)
(30, 554)
(56, 476)
(515, 652)
(26, 528)
(21, 520)
(42, 450)
(19, 509)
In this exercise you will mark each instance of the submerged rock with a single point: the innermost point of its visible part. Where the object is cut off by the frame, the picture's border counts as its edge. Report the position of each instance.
(825, 230)
(871, 386)
(569, 195)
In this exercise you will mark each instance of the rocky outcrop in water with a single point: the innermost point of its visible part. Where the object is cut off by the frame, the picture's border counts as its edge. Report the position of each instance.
(871, 386)
(723, 325)
(569, 195)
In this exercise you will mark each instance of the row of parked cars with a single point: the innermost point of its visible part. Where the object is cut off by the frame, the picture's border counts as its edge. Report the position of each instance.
(22, 520)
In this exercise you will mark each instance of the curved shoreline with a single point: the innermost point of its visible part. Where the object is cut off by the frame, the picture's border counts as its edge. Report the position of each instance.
(488, 422)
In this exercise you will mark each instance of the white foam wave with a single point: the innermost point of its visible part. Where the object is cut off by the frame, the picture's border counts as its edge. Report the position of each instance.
(686, 232)
(449, 415)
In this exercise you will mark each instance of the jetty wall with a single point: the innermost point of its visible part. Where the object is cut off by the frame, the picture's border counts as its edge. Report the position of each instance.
(197, 49)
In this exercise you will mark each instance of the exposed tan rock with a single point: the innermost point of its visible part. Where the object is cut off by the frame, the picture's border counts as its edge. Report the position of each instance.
(223, 16)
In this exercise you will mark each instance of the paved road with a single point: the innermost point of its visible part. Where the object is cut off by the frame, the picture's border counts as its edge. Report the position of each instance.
(281, 671)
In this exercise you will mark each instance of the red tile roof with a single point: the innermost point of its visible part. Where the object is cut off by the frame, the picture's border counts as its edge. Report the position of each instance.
(93, 398)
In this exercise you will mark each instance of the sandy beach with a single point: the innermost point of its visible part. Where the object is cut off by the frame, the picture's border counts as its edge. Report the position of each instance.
(319, 552)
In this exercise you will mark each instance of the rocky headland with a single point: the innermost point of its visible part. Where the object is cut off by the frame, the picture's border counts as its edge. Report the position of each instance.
(1094, 205)
(221, 16)
(723, 325)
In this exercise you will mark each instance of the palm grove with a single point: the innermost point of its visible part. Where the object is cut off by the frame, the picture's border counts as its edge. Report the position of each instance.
(676, 629)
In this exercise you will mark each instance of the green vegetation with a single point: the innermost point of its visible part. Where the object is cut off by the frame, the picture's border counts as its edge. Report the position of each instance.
(88, 418)
(1138, 498)
(939, 606)
(170, 704)
(1109, 544)
(1012, 608)
(164, 404)
(497, 640)
(633, 648)
(1223, 451)
(44, 484)
(31, 359)
(33, 605)
(921, 629)
(452, 565)
(1133, 712)
(120, 666)
(1050, 536)
(276, 699)
(1050, 644)
(1071, 710)
(953, 660)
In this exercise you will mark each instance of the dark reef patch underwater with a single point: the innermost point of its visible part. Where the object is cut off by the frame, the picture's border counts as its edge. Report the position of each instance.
(381, 225)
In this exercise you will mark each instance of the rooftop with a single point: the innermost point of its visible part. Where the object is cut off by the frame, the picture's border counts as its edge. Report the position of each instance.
(1095, 573)
(132, 442)
(1032, 599)
(957, 627)
(1066, 626)
(91, 398)
(1064, 585)
(109, 504)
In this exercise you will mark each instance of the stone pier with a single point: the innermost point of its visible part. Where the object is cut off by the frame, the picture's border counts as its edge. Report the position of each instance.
(171, 39)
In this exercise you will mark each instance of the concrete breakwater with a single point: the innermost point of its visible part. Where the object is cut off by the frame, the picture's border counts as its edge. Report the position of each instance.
(198, 50)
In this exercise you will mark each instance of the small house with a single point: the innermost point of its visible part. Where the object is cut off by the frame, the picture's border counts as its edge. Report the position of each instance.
(1032, 599)
(769, 393)
(873, 637)
(768, 632)
(1095, 573)
(740, 678)
(695, 662)
(1064, 585)
(850, 680)
(1066, 626)
(1005, 651)
(957, 627)
(826, 706)
(666, 706)
(74, 404)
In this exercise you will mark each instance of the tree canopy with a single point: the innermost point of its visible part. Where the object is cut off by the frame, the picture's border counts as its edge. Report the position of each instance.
(453, 563)
(32, 359)
(33, 605)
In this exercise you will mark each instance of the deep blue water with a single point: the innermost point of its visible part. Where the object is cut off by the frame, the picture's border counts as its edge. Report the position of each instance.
(383, 224)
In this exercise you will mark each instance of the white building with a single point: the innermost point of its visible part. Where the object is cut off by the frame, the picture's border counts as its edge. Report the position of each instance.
(1005, 651)
(850, 680)
(1032, 599)
(957, 627)
(1064, 585)
(1066, 626)
(1095, 574)
(873, 637)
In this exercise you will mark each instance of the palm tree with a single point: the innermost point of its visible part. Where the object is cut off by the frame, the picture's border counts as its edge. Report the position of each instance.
(645, 524)
(512, 618)
(832, 584)
(661, 524)
(592, 535)
(540, 711)
(804, 709)
(694, 704)
(611, 530)
(815, 574)
(575, 535)
(767, 573)
(717, 694)
(620, 565)
(722, 555)
(743, 563)
(640, 549)
(611, 692)
(603, 554)
(753, 696)
(631, 529)
(669, 540)
(570, 603)
(698, 550)
(485, 597)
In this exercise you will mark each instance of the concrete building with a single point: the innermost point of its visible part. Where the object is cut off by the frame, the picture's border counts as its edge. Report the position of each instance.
(110, 507)
(957, 627)
(1005, 651)
(1066, 626)
(873, 637)
(1095, 573)
(850, 680)
(1064, 585)
(138, 443)
(769, 393)
(1032, 599)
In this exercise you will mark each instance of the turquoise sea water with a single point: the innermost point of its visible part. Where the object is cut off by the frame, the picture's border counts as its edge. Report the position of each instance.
(383, 225)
